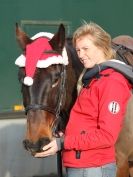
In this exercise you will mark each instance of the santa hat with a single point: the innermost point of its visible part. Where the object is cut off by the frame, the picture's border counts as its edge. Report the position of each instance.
(35, 56)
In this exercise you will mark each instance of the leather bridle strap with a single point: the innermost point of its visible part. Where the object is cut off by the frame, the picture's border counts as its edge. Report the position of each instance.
(61, 99)
(62, 90)
(38, 107)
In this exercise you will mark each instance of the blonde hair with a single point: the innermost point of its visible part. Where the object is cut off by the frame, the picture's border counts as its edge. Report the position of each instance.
(100, 38)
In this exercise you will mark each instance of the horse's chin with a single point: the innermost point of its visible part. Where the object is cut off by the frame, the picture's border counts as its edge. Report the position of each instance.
(36, 147)
(33, 153)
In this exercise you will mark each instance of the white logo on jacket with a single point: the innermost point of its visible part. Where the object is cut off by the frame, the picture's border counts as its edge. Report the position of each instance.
(114, 107)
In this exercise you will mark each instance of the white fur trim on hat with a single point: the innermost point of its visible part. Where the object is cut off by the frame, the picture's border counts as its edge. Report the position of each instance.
(65, 56)
(41, 34)
(20, 61)
(50, 61)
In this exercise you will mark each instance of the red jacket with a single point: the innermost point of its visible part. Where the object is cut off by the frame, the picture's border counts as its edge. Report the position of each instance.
(96, 120)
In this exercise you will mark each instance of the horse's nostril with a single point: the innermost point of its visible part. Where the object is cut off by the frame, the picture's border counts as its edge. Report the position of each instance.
(44, 141)
(25, 144)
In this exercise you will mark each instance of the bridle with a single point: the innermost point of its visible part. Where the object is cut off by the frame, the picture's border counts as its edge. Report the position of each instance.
(61, 99)
(56, 112)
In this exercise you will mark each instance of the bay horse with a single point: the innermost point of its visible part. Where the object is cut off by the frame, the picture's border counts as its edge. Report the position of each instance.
(49, 99)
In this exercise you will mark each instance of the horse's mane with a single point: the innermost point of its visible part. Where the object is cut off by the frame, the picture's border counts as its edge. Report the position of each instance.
(73, 55)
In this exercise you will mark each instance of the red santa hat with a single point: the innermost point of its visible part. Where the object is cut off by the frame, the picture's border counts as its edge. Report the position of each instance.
(35, 56)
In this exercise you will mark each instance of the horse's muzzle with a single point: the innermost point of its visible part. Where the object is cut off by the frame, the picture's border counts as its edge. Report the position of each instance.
(35, 147)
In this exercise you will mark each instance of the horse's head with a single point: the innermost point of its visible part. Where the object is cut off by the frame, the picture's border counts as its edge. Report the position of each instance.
(42, 74)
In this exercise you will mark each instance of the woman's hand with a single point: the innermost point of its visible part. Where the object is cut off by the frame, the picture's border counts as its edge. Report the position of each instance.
(49, 149)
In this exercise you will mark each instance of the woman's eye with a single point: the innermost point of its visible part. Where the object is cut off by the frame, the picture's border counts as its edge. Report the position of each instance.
(77, 50)
(85, 48)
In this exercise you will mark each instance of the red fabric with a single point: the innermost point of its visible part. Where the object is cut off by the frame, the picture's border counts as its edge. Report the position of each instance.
(93, 128)
(35, 52)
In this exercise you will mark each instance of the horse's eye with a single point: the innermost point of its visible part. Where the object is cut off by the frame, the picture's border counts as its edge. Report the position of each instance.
(21, 80)
(21, 75)
(55, 83)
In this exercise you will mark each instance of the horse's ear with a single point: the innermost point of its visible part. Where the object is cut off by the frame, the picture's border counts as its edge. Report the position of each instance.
(22, 37)
(58, 40)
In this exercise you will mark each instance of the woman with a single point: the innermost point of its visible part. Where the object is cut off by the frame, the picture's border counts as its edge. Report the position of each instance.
(97, 115)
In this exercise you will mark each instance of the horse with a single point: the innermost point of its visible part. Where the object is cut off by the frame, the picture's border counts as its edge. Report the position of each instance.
(49, 99)
(123, 45)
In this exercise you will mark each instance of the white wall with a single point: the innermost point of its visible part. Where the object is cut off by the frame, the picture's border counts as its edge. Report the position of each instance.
(15, 161)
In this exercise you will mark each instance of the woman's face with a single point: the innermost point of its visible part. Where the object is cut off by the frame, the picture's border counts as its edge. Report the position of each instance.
(88, 53)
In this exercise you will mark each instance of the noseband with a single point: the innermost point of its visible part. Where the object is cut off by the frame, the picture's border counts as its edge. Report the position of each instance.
(38, 107)
(56, 111)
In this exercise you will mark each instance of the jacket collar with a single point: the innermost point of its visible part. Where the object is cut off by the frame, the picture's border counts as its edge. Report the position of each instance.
(117, 65)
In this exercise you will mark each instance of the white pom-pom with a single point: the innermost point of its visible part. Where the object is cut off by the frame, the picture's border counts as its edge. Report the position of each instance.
(28, 81)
